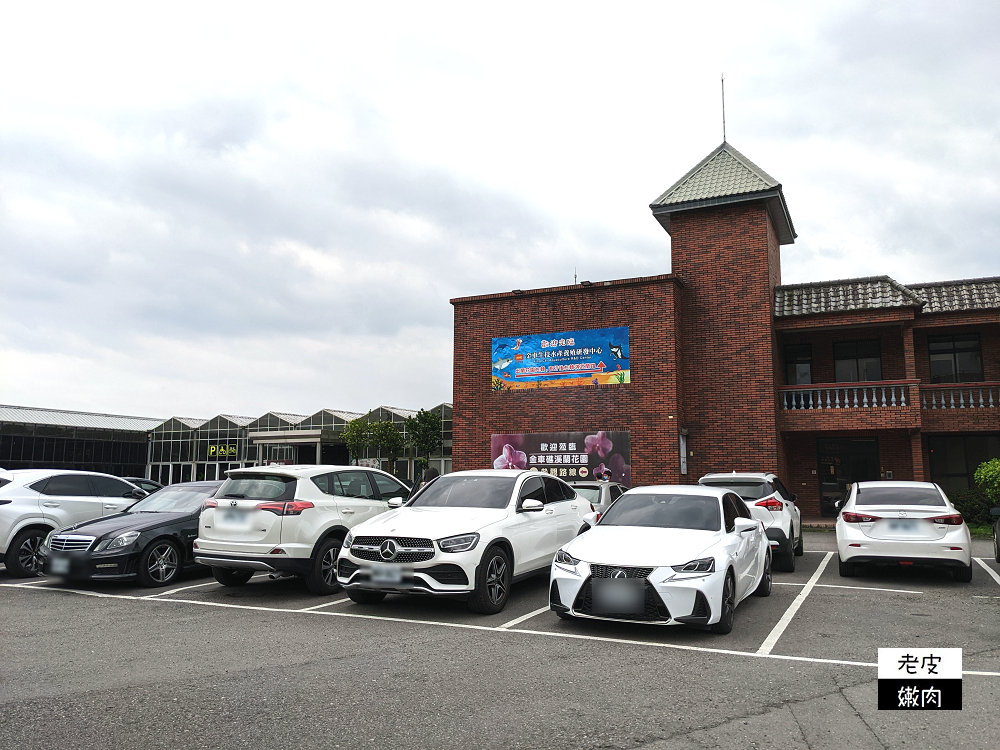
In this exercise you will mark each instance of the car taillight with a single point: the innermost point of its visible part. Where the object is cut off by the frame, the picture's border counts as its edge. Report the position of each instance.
(771, 504)
(858, 518)
(598, 518)
(952, 520)
(211, 503)
(293, 508)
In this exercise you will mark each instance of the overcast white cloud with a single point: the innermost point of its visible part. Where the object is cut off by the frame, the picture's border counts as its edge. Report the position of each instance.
(238, 208)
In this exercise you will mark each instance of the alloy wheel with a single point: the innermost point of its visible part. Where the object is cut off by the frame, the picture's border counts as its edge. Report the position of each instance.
(28, 555)
(163, 563)
(728, 601)
(496, 587)
(328, 565)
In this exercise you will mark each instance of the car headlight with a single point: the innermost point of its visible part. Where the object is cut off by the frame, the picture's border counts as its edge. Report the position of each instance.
(565, 558)
(122, 540)
(704, 565)
(348, 541)
(462, 543)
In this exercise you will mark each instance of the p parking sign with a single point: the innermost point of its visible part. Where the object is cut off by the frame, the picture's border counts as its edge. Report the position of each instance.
(919, 679)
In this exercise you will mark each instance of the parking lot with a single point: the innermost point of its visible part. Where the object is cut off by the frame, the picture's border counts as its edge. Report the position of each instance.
(270, 665)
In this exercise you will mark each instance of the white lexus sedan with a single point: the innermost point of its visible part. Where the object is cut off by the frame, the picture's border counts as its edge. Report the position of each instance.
(665, 555)
(465, 535)
(902, 523)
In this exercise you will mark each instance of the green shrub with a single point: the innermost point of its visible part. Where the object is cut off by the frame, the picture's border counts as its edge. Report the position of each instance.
(987, 478)
(973, 505)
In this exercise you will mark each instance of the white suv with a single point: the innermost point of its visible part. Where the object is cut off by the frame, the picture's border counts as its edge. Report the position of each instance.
(289, 520)
(770, 502)
(34, 502)
(466, 535)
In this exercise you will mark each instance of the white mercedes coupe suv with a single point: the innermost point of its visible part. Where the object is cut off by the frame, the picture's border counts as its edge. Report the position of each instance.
(664, 555)
(902, 523)
(770, 502)
(466, 535)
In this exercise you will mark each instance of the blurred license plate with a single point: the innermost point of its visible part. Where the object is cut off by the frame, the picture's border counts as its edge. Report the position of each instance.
(60, 566)
(387, 574)
(233, 519)
(619, 595)
(903, 526)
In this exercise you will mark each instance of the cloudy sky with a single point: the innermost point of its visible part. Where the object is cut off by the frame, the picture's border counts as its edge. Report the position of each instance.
(239, 208)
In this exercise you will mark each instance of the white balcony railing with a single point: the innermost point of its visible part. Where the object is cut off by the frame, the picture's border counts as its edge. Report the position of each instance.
(969, 396)
(880, 395)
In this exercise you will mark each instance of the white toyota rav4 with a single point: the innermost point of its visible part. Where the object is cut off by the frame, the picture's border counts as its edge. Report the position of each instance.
(289, 520)
(465, 535)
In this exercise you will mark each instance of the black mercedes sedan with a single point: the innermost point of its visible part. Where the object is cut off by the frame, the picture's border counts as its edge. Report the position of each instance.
(150, 541)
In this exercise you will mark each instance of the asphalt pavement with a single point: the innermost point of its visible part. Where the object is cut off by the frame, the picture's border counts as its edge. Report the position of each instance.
(270, 665)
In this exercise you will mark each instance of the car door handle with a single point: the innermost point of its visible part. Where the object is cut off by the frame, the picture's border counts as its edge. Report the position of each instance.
(573, 507)
(110, 507)
(51, 505)
(549, 512)
(347, 511)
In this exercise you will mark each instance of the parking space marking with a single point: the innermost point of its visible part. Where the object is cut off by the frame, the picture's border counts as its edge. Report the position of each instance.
(325, 604)
(522, 618)
(182, 588)
(30, 583)
(775, 634)
(988, 569)
(835, 586)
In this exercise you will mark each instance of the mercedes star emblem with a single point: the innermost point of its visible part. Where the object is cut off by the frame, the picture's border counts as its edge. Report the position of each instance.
(619, 573)
(388, 549)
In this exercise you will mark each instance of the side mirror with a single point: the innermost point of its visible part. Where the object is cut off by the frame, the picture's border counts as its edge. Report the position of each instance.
(396, 502)
(136, 494)
(743, 525)
(591, 519)
(995, 511)
(795, 498)
(531, 505)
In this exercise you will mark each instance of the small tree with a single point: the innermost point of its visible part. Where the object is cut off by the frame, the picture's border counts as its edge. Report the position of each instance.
(357, 436)
(423, 431)
(987, 478)
(386, 438)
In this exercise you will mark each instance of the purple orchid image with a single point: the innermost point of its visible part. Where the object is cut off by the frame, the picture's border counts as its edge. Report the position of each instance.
(599, 470)
(599, 444)
(620, 471)
(511, 458)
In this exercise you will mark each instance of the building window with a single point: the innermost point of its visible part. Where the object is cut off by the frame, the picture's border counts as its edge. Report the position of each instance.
(955, 458)
(955, 359)
(857, 361)
(798, 364)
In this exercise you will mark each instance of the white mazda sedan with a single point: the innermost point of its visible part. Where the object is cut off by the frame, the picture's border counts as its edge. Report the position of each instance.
(666, 555)
(465, 535)
(902, 524)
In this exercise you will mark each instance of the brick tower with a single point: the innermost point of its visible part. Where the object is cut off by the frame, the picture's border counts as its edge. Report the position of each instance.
(727, 219)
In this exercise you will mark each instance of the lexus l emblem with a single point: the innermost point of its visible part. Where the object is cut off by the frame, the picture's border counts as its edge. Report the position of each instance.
(619, 573)
(388, 549)
(234, 503)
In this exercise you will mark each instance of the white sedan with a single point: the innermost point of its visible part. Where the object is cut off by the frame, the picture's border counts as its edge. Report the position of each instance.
(902, 523)
(466, 535)
(665, 555)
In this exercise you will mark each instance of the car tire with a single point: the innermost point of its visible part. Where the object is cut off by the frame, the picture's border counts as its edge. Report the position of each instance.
(847, 569)
(764, 587)
(232, 577)
(22, 559)
(799, 547)
(963, 574)
(492, 582)
(359, 596)
(322, 576)
(785, 561)
(996, 546)
(160, 563)
(728, 614)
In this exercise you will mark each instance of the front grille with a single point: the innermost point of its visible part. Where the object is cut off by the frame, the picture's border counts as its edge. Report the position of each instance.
(655, 610)
(71, 543)
(448, 574)
(345, 568)
(402, 541)
(401, 557)
(411, 549)
(607, 571)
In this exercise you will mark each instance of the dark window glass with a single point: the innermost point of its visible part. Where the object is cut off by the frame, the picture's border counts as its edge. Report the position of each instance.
(388, 487)
(532, 489)
(898, 496)
(70, 485)
(955, 359)
(664, 511)
(954, 459)
(467, 492)
(353, 484)
(108, 487)
(258, 487)
(554, 490)
(730, 513)
(798, 364)
(741, 507)
(745, 488)
(325, 483)
(857, 361)
(616, 492)
(782, 490)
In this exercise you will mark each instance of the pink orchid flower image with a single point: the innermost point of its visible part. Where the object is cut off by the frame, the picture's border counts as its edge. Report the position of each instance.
(621, 471)
(599, 470)
(599, 444)
(511, 458)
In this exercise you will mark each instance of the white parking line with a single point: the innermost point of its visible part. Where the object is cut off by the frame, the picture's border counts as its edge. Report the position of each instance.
(835, 586)
(465, 626)
(522, 618)
(777, 630)
(182, 588)
(988, 569)
(31, 583)
(325, 604)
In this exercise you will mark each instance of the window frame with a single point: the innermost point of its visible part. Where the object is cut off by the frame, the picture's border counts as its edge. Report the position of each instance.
(856, 359)
(953, 353)
(798, 360)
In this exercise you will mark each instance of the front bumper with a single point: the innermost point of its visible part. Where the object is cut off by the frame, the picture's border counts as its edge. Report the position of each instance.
(671, 598)
(954, 549)
(445, 574)
(88, 566)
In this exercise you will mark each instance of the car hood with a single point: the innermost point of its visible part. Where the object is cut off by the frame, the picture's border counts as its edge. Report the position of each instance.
(121, 522)
(432, 523)
(641, 546)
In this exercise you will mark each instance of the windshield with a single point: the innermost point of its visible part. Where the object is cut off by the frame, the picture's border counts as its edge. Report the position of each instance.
(748, 489)
(174, 500)
(590, 494)
(258, 487)
(466, 492)
(898, 496)
(665, 511)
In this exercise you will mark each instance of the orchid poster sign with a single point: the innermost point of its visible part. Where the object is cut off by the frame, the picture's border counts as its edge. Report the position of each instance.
(544, 360)
(568, 455)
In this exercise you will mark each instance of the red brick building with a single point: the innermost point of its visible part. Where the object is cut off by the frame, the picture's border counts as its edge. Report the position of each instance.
(826, 383)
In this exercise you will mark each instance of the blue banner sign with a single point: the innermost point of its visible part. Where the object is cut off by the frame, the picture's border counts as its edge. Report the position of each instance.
(596, 356)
